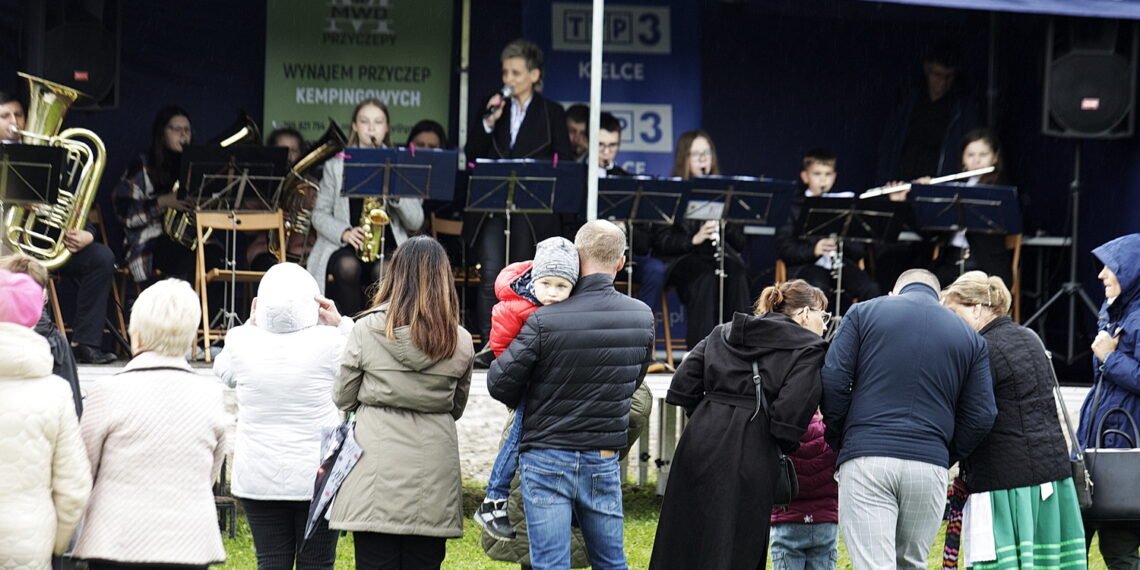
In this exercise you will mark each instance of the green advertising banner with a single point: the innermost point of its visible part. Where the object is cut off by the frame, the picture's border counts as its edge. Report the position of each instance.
(322, 57)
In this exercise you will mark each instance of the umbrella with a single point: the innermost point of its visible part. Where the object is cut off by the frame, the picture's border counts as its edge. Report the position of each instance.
(340, 453)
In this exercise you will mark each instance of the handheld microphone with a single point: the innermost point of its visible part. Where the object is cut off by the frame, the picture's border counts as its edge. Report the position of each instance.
(505, 92)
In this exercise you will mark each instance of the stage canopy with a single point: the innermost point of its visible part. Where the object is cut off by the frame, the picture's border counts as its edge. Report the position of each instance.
(1087, 8)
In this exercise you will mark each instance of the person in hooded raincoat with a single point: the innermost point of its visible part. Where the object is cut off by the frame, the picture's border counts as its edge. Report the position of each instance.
(282, 365)
(1115, 355)
(717, 505)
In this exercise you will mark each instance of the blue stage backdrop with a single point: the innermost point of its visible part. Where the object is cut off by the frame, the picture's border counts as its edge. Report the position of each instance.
(651, 70)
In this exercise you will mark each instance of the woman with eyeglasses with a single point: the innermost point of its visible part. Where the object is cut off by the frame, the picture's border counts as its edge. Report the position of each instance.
(146, 192)
(717, 506)
(690, 249)
(334, 260)
(1019, 476)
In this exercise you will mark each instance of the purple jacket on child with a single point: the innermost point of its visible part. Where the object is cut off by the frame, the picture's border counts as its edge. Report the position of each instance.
(818, 499)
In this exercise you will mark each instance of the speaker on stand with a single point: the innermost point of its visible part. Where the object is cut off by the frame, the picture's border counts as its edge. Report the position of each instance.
(76, 43)
(1090, 93)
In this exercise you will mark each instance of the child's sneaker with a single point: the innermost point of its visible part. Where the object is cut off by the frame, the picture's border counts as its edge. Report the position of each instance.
(492, 516)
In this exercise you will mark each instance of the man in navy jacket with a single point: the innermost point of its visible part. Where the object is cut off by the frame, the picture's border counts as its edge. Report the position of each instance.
(906, 393)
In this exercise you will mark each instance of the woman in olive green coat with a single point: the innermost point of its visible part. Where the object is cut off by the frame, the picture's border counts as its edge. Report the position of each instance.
(407, 372)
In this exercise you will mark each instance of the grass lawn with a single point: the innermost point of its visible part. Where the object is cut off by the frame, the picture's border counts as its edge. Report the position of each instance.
(642, 506)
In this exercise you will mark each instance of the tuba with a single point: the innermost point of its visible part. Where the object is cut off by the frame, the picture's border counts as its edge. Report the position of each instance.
(40, 234)
(298, 193)
(182, 226)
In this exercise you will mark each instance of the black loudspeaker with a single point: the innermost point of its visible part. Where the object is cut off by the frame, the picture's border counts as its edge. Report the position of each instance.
(1090, 78)
(76, 43)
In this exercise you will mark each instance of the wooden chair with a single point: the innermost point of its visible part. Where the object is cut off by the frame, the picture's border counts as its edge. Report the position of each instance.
(454, 229)
(95, 218)
(235, 222)
(671, 343)
(1013, 242)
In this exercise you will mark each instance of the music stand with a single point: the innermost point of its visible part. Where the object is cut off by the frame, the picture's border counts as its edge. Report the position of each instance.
(398, 173)
(641, 199)
(233, 179)
(740, 199)
(848, 219)
(30, 174)
(977, 209)
(525, 186)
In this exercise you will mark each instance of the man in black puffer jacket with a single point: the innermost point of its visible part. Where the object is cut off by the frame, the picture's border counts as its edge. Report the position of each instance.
(577, 364)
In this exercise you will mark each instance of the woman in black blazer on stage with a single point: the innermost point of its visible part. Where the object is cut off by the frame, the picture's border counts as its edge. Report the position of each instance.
(523, 125)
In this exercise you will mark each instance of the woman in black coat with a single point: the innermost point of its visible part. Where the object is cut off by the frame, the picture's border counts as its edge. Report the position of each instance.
(1020, 471)
(719, 499)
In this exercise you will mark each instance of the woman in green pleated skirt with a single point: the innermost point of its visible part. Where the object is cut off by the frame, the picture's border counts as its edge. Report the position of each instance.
(1022, 466)
(1031, 532)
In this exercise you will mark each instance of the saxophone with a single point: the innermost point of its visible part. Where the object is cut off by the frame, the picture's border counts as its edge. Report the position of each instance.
(298, 193)
(373, 218)
(40, 235)
(182, 227)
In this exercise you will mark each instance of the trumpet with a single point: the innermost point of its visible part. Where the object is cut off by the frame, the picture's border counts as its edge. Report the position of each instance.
(373, 218)
(884, 190)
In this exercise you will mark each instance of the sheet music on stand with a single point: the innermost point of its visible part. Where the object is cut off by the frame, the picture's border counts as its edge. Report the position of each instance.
(738, 199)
(848, 218)
(30, 174)
(976, 209)
(750, 200)
(973, 209)
(525, 186)
(400, 173)
(642, 200)
(233, 178)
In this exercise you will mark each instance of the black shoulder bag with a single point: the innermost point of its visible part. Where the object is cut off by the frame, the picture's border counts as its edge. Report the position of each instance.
(787, 485)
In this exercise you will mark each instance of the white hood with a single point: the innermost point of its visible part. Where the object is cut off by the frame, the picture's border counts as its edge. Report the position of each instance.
(285, 300)
(23, 352)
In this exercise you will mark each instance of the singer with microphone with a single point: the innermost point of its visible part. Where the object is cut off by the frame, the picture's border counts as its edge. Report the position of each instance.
(516, 122)
(333, 262)
(689, 248)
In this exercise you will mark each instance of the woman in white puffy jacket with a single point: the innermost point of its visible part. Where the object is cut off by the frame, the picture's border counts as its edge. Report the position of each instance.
(282, 365)
(44, 475)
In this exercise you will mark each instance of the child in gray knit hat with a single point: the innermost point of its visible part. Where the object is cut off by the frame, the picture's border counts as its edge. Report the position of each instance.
(521, 288)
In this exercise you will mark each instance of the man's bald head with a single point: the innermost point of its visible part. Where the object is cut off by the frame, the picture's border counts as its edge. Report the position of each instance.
(601, 247)
(916, 276)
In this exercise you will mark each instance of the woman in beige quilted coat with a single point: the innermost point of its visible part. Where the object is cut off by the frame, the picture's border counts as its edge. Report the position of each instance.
(155, 435)
(407, 372)
(44, 475)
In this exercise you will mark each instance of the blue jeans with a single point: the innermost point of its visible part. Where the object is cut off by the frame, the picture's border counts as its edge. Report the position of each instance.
(507, 461)
(557, 484)
(649, 273)
(804, 546)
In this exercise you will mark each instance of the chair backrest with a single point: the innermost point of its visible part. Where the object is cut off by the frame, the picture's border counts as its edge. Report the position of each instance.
(241, 222)
(444, 226)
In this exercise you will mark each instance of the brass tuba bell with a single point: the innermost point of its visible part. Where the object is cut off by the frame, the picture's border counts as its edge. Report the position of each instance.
(298, 194)
(40, 235)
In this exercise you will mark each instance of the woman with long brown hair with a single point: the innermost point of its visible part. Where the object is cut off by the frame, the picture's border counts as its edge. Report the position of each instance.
(406, 372)
(717, 506)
